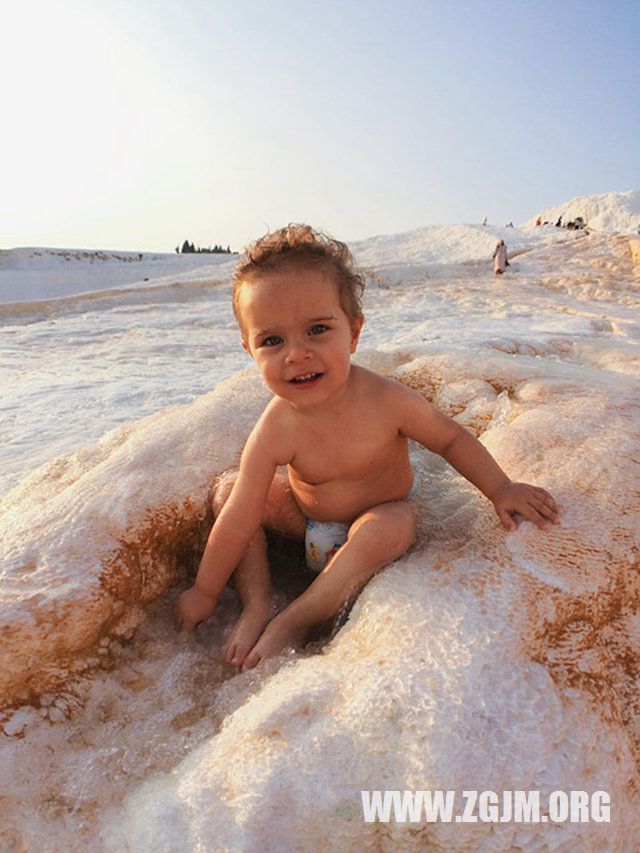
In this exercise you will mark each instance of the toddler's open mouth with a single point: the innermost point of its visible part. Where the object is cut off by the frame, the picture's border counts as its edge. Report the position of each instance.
(305, 378)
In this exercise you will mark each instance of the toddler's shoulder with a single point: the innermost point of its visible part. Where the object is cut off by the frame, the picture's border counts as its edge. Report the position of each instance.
(391, 398)
(276, 415)
(389, 387)
(273, 433)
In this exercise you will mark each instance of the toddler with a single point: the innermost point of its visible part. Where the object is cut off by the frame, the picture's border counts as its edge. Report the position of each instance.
(327, 462)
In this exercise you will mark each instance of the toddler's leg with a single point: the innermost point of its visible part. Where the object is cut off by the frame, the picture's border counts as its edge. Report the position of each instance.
(251, 579)
(376, 538)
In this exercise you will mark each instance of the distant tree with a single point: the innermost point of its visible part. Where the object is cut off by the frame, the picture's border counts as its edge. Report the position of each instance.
(189, 248)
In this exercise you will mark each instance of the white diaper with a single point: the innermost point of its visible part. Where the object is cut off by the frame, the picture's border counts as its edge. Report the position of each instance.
(322, 540)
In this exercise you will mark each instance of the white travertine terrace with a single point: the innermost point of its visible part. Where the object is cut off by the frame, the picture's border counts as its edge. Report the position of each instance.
(478, 661)
(104, 531)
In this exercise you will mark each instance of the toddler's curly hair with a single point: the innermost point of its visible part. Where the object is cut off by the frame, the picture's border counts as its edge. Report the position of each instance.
(300, 245)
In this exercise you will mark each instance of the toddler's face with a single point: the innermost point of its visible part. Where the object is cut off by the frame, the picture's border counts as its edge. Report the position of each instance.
(295, 328)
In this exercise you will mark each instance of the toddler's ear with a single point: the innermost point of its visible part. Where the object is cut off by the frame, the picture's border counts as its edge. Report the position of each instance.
(356, 328)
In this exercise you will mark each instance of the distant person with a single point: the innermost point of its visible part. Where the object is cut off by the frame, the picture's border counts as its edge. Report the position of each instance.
(342, 434)
(559, 222)
(500, 260)
(484, 220)
(509, 225)
(539, 221)
(638, 230)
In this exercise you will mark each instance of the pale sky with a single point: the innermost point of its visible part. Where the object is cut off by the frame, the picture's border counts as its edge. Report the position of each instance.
(134, 124)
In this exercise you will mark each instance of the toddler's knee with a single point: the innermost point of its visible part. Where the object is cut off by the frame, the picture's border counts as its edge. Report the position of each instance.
(402, 531)
(392, 530)
(223, 490)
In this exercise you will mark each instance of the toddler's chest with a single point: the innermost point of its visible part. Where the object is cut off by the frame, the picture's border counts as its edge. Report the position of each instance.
(355, 453)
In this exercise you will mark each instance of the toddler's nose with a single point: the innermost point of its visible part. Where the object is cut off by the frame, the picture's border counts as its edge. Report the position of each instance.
(298, 351)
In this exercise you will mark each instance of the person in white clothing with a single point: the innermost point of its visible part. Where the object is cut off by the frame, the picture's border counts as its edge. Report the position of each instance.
(500, 260)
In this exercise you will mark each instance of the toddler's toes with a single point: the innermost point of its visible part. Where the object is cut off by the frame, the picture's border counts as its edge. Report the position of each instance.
(233, 653)
(251, 660)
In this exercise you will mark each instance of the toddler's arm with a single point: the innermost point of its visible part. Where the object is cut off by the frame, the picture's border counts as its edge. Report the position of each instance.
(442, 435)
(472, 459)
(233, 529)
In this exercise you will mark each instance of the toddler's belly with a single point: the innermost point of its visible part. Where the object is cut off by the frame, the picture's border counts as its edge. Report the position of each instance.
(345, 500)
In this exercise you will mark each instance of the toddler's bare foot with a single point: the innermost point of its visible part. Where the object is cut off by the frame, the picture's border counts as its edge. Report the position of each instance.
(283, 632)
(245, 633)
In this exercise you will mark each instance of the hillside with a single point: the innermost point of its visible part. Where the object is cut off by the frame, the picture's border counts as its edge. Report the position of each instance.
(609, 212)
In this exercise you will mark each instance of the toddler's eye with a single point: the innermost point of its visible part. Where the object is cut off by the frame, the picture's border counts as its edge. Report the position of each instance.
(272, 341)
(318, 329)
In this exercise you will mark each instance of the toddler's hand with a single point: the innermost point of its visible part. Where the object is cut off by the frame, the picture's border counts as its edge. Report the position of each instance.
(193, 607)
(531, 502)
